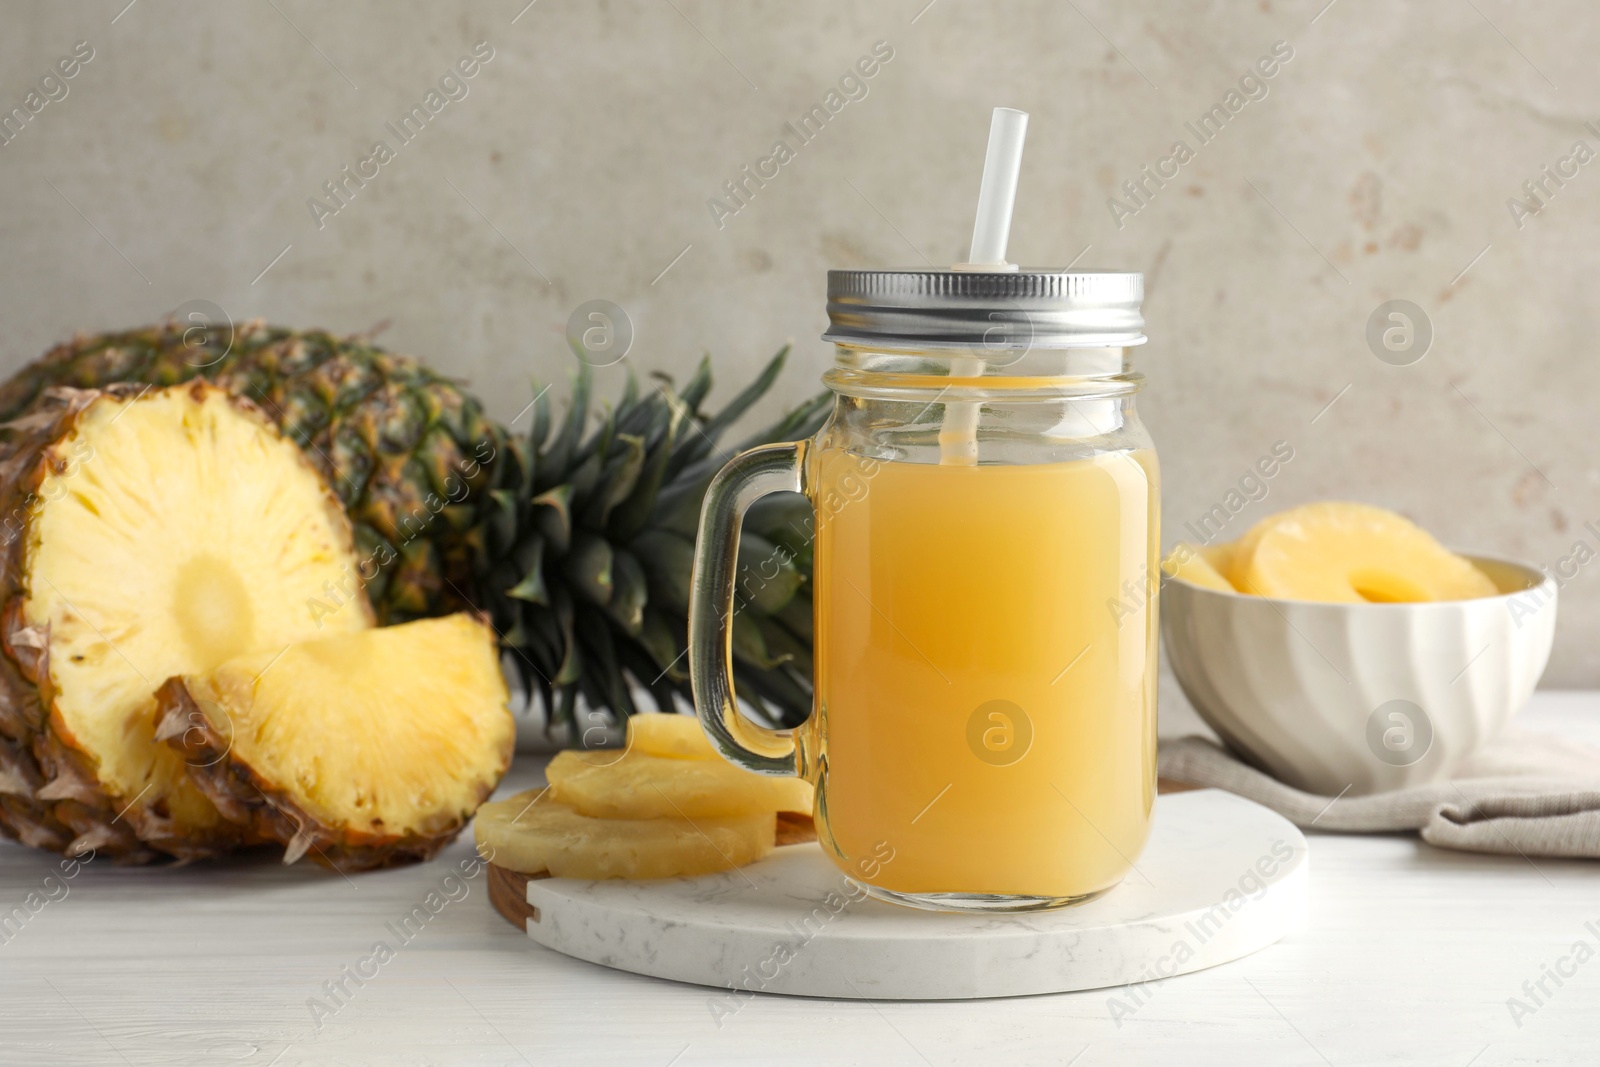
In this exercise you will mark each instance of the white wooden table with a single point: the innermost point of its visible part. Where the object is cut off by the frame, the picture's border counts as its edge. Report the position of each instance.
(1409, 955)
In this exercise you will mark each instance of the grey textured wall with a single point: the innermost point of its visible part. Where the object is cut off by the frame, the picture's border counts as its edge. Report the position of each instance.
(1376, 163)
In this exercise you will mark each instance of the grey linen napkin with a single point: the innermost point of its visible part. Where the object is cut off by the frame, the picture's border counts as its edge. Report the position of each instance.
(1525, 794)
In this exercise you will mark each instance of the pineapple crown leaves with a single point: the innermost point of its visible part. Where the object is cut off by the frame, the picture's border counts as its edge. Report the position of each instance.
(589, 548)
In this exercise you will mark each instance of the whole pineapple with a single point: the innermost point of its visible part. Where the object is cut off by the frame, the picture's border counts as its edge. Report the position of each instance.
(578, 543)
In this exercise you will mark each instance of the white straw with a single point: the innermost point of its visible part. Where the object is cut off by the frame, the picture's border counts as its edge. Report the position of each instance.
(991, 232)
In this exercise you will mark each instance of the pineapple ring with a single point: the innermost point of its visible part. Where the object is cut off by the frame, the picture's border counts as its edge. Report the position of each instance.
(534, 833)
(664, 734)
(1220, 556)
(1195, 566)
(672, 736)
(1343, 553)
(1236, 563)
(641, 786)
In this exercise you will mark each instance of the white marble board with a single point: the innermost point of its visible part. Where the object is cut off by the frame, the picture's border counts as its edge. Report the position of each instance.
(1220, 878)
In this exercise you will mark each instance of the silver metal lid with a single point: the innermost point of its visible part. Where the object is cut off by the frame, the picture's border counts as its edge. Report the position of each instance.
(984, 310)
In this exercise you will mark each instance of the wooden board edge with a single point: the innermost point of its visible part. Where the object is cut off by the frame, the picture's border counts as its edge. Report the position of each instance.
(508, 893)
(794, 828)
(508, 889)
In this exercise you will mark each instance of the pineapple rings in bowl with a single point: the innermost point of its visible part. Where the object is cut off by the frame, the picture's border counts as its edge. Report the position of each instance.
(1334, 553)
(1304, 674)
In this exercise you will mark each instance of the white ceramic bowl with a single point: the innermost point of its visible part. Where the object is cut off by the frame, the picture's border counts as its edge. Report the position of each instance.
(1361, 698)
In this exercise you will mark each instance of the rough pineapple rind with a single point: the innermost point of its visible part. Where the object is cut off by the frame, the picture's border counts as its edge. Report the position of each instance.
(252, 779)
(72, 817)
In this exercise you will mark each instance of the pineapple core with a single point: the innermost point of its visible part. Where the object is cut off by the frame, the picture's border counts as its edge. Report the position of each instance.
(176, 530)
(211, 606)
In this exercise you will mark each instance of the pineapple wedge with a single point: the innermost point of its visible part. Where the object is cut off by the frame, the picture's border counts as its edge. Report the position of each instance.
(1337, 552)
(641, 786)
(534, 833)
(368, 749)
(1198, 566)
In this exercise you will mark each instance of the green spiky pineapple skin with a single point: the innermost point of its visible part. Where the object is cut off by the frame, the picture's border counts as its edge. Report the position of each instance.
(409, 453)
(577, 540)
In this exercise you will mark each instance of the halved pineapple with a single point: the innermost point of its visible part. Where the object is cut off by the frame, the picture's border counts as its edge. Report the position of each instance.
(1195, 566)
(1350, 553)
(149, 533)
(534, 833)
(641, 786)
(367, 748)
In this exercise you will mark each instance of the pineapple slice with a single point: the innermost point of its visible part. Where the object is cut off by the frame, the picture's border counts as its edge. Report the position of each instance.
(1220, 556)
(369, 748)
(170, 529)
(1197, 567)
(673, 736)
(1338, 552)
(1236, 565)
(534, 833)
(640, 786)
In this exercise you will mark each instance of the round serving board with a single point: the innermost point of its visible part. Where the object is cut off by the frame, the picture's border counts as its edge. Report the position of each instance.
(1220, 878)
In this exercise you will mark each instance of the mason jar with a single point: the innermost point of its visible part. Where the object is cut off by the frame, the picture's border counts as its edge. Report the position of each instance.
(984, 574)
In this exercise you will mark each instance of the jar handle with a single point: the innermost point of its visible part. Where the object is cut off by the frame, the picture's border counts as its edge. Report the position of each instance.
(747, 477)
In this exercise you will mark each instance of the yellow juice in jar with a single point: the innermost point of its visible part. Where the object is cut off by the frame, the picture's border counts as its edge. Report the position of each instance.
(985, 671)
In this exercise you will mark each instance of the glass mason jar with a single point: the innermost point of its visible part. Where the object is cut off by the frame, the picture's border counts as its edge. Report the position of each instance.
(984, 574)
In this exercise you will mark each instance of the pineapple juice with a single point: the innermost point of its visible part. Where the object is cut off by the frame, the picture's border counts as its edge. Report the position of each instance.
(985, 672)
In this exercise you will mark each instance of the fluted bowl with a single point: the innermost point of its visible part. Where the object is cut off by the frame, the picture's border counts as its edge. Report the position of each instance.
(1360, 698)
